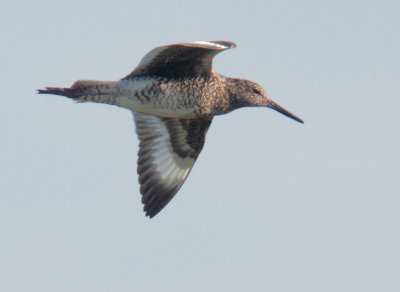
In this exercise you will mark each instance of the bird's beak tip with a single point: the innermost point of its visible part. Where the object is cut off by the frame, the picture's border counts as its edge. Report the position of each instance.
(273, 105)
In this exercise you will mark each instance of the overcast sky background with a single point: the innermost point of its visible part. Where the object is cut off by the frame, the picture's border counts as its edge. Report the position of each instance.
(271, 205)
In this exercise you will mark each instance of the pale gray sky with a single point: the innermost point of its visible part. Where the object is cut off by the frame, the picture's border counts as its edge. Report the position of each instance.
(271, 205)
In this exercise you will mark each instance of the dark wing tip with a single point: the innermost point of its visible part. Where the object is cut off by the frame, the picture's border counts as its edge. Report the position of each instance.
(157, 199)
(151, 213)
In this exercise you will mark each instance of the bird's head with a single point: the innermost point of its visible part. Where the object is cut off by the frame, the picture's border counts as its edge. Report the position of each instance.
(246, 93)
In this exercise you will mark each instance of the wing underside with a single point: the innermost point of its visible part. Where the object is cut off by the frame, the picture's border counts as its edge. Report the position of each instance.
(168, 150)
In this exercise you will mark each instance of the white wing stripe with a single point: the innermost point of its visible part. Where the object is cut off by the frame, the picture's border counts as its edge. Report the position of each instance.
(165, 162)
(210, 44)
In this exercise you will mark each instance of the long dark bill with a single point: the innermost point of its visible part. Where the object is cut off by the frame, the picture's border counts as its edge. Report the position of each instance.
(278, 108)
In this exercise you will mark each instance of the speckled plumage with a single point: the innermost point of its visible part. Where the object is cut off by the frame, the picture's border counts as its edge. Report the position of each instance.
(174, 95)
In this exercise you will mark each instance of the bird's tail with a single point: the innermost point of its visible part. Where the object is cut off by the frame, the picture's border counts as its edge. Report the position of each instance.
(86, 90)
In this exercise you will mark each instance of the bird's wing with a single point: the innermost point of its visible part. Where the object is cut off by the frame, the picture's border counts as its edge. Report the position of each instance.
(181, 60)
(167, 151)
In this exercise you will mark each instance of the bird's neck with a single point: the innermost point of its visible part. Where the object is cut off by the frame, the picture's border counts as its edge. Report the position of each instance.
(229, 100)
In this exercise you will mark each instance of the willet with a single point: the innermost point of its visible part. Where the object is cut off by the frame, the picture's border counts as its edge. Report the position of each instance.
(174, 94)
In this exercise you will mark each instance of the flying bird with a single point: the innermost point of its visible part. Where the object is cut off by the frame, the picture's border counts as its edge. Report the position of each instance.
(174, 94)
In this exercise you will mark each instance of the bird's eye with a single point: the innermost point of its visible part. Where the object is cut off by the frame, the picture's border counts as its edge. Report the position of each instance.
(256, 91)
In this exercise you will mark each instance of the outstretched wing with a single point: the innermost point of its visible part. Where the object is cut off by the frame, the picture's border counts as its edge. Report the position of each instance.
(167, 151)
(181, 60)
